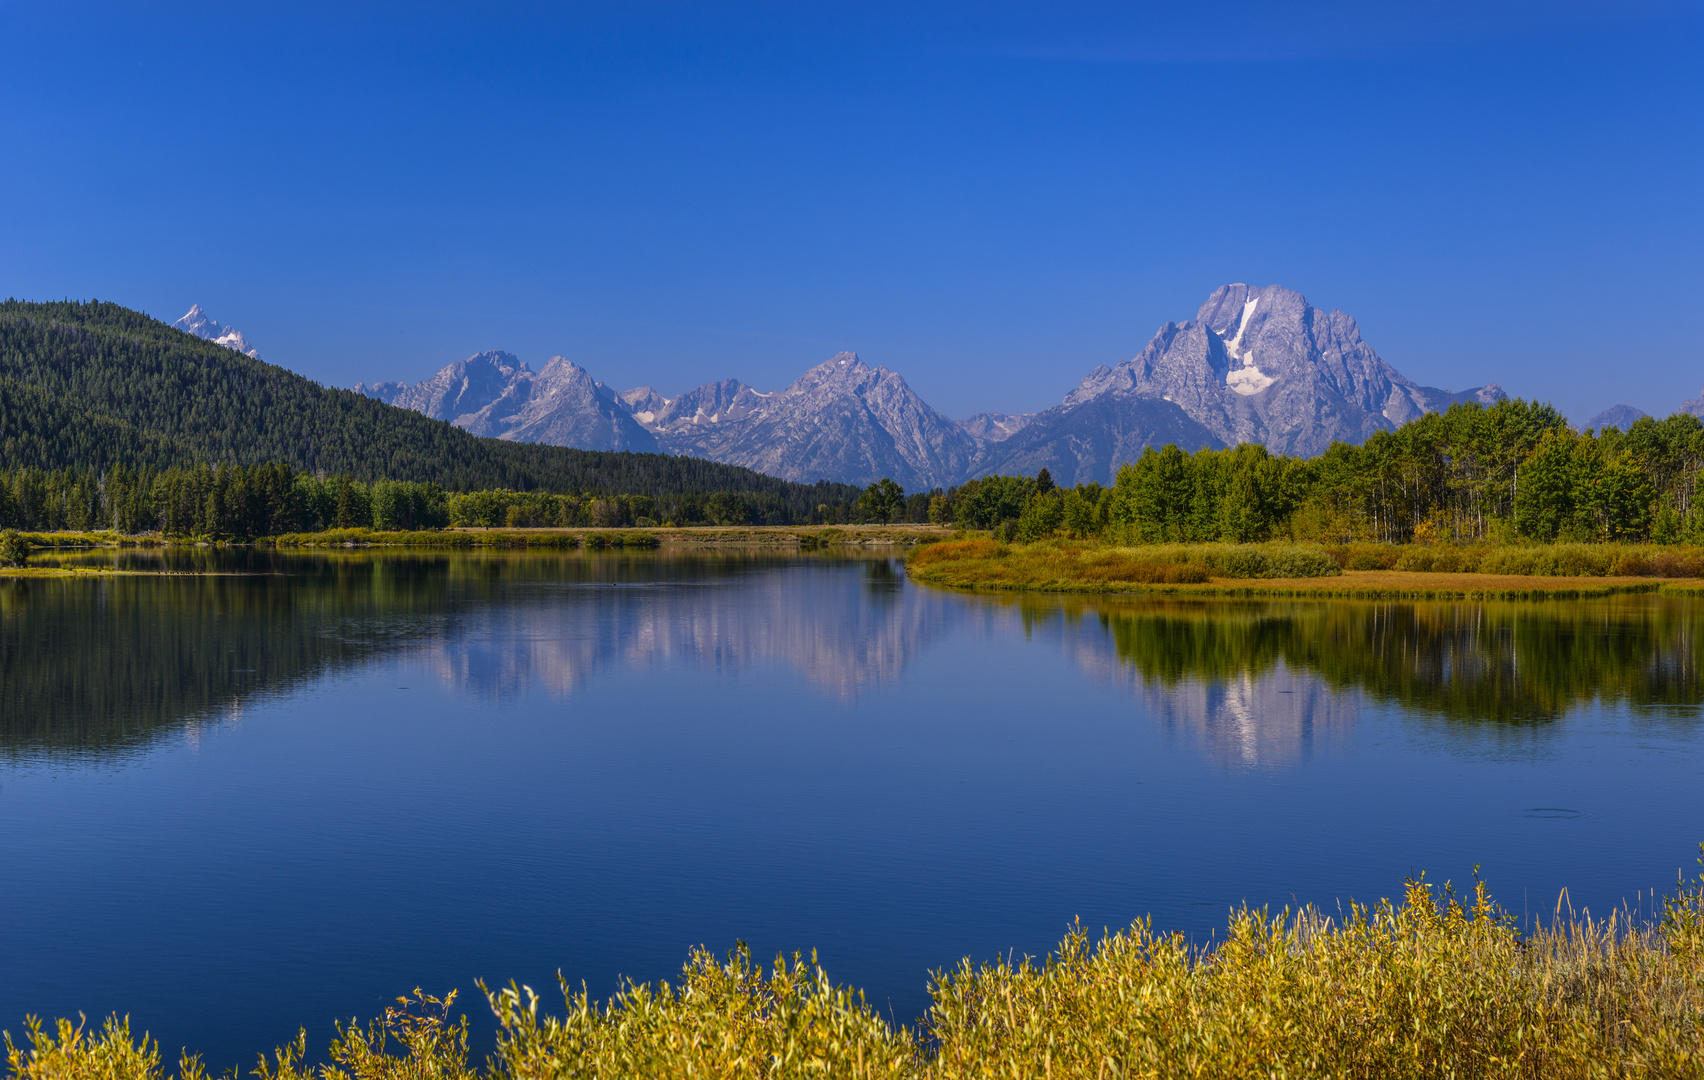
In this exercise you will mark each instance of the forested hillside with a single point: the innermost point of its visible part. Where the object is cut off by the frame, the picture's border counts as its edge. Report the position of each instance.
(93, 385)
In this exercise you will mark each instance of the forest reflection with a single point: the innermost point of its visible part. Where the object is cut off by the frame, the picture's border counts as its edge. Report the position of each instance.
(1269, 682)
(100, 666)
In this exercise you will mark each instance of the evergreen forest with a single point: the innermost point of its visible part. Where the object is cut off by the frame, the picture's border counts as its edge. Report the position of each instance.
(89, 388)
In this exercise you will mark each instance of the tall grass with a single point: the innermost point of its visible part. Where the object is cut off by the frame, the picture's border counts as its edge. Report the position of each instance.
(1536, 560)
(1069, 565)
(1433, 985)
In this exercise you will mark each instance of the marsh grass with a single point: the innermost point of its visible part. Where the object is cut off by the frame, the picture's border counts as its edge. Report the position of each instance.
(1534, 560)
(1377, 571)
(1434, 985)
(1066, 566)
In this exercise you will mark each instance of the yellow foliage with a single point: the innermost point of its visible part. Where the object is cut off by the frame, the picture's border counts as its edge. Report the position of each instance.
(1435, 985)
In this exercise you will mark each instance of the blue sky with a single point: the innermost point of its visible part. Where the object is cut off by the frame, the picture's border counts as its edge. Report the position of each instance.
(988, 198)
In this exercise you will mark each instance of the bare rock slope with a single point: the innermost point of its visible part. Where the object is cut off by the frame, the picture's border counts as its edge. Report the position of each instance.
(1257, 365)
(495, 394)
(841, 420)
(1254, 365)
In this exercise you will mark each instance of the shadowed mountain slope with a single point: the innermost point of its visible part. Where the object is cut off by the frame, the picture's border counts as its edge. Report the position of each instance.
(94, 384)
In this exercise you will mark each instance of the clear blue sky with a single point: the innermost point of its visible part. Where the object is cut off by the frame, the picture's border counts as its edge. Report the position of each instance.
(990, 199)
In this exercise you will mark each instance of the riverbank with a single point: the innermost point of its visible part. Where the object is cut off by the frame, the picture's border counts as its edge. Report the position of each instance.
(1438, 983)
(1247, 570)
(782, 537)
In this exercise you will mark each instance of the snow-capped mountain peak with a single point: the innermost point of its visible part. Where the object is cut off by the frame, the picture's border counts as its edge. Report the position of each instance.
(202, 325)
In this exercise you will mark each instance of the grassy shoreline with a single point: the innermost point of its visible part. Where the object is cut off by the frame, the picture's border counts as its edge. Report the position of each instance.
(786, 537)
(1437, 983)
(1245, 570)
(697, 535)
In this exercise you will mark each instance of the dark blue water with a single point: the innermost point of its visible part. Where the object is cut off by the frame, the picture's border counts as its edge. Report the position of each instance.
(232, 806)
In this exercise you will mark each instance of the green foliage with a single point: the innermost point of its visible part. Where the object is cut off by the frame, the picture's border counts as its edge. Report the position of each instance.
(882, 501)
(95, 386)
(726, 508)
(985, 503)
(14, 548)
(232, 502)
(1474, 474)
(1043, 513)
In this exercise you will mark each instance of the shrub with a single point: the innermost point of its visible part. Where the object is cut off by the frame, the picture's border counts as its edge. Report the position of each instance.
(1269, 561)
(948, 550)
(1364, 556)
(1457, 560)
(1633, 564)
(1675, 564)
(1418, 560)
(1668, 564)
(1434, 984)
(14, 549)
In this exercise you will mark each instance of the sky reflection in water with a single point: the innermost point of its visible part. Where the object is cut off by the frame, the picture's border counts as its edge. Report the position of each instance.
(232, 805)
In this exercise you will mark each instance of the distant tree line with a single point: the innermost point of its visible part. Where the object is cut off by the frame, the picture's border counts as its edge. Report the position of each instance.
(92, 387)
(239, 501)
(1514, 470)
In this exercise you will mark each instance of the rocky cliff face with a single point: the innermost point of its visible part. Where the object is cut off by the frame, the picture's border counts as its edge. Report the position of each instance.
(202, 325)
(1254, 365)
(993, 427)
(495, 394)
(842, 420)
(458, 390)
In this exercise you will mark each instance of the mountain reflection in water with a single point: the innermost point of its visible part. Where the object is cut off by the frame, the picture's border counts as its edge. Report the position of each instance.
(233, 804)
(101, 666)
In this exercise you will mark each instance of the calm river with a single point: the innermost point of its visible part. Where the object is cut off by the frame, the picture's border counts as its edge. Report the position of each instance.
(233, 805)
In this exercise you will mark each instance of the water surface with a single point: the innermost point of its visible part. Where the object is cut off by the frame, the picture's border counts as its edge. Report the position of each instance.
(236, 804)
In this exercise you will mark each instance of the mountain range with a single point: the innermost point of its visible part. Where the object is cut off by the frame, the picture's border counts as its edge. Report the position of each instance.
(1257, 365)
(91, 386)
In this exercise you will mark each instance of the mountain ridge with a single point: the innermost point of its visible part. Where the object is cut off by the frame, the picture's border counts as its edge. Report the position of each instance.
(1255, 365)
(94, 385)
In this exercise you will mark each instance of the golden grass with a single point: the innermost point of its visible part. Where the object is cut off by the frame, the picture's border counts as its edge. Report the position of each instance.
(1435, 985)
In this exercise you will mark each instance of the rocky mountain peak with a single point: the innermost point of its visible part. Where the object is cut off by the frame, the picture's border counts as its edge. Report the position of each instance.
(993, 427)
(196, 321)
(1258, 365)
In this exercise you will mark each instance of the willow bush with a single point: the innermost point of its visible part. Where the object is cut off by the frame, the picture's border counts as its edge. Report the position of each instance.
(1435, 985)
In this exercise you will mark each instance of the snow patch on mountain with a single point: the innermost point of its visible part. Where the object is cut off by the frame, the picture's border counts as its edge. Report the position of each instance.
(1248, 379)
(202, 325)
